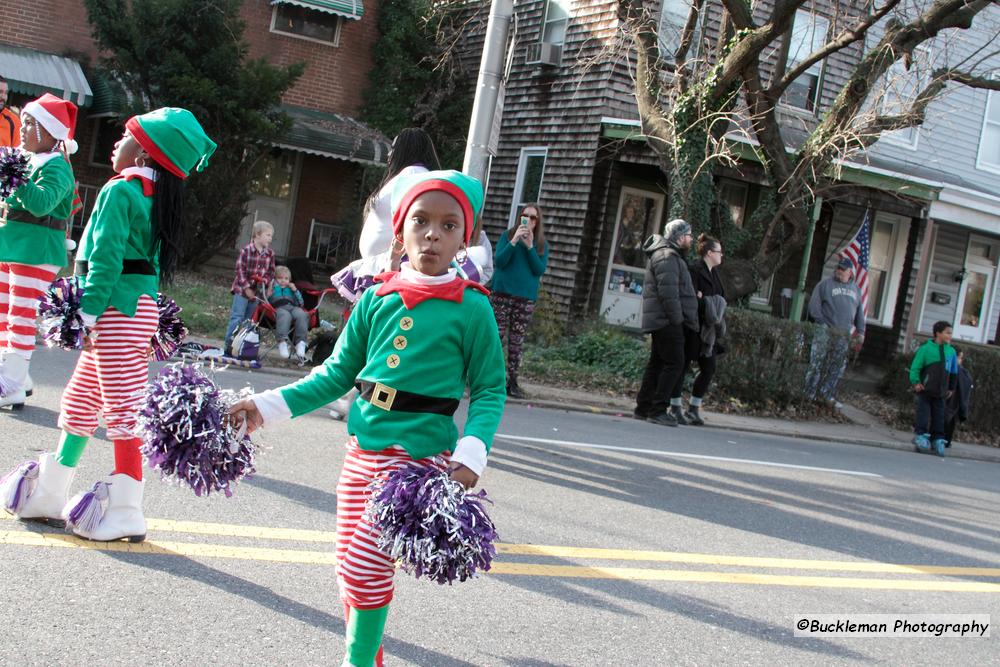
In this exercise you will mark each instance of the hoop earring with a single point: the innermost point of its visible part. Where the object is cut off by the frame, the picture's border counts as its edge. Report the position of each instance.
(461, 256)
(140, 162)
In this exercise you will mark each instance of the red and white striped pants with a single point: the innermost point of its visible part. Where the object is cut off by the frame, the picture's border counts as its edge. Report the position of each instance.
(21, 286)
(110, 377)
(364, 573)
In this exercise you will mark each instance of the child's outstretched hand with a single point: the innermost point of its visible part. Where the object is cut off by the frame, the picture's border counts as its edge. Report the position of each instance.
(246, 411)
(463, 475)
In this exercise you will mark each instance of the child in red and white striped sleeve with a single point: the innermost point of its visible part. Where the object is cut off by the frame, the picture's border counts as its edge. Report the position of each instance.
(131, 241)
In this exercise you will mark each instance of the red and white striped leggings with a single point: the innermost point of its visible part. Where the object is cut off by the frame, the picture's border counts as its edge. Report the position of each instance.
(21, 286)
(364, 573)
(110, 377)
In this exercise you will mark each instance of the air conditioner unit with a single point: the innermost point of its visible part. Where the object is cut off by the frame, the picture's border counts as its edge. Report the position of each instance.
(544, 53)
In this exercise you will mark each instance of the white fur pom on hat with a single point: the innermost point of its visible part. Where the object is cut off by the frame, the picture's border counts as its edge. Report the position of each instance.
(57, 116)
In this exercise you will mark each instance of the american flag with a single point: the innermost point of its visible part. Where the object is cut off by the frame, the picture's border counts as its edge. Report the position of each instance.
(859, 252)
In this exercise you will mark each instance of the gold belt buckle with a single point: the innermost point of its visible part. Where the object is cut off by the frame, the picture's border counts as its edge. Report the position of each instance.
(383, 396)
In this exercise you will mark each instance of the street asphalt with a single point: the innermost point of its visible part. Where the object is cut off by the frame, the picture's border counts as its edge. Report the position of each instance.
(623, 543)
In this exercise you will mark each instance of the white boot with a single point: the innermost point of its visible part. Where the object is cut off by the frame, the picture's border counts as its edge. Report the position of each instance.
(15, 400)
(111, 510)
(283, 349)
(28, 386)
(300, 349)
(13, 373)
(38, 490)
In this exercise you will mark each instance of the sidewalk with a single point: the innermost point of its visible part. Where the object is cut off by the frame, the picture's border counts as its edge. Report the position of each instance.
(865, 430)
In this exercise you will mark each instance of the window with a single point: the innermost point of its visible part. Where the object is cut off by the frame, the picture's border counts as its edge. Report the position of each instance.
(989, 143)
(272, 175)
(107, 134)
(673, 17)
(901, 89)
(808, 34)
(306, 23)
(329, 245)
(733, 194)
(556, 19)
(879, 264)
(528, 185)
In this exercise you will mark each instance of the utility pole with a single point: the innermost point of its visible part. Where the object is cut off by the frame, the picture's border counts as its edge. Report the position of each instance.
(484, 108)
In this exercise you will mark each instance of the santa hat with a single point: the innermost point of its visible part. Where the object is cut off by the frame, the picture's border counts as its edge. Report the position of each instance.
(466, 190)
(174, 138)
(57, 116)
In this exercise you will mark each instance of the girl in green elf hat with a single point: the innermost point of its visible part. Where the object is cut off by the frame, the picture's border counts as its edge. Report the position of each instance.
(130, 243)
(412, 344)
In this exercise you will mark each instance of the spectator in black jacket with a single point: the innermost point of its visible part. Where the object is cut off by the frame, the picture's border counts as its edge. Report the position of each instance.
(956, 407)
(711, 309)
(669, 309)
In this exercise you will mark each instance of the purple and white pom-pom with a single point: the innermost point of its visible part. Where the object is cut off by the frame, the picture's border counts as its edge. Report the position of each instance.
(14, 167)
(185, 435)
(171, 331)
(431, 524)
(59, 310)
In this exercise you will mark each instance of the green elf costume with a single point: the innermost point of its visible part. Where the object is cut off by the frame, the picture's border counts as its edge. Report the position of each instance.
(411, 345)
(119, 264)
(33, 239)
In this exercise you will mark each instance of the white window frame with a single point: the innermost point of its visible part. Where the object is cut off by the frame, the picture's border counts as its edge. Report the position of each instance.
(522, 167)
(980, 163)
(898, 137)
(336, 35)
(893, 273)
(545, 23)
(822, 64)
(665, 21)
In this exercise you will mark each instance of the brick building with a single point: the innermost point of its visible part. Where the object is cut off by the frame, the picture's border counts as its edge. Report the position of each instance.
(308, 185)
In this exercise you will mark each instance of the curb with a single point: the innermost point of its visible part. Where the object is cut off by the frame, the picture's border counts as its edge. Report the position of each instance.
(988, 454)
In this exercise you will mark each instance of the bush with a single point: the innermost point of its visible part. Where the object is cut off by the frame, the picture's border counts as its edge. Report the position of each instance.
(983, 364)
(767, 359)
(600, 357)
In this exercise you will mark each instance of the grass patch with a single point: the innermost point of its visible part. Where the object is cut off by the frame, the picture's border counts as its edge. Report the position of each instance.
(205, 302)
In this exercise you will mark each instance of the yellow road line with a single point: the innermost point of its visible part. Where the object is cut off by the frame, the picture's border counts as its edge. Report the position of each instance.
(583, 553)
(159, 547)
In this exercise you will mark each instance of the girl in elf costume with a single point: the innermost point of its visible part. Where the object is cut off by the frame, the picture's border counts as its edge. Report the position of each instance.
(33, 241)
(131, 240)
(410, 346)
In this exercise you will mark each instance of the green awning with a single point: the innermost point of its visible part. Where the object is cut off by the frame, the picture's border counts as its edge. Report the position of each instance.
(109, 97)
(351, 9)
(34, 73)
(335, 136)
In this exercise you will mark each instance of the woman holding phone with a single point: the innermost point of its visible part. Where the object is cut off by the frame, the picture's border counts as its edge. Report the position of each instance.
(520, 261)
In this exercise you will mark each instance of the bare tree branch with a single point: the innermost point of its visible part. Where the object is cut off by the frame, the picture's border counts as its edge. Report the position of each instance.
(687, 33)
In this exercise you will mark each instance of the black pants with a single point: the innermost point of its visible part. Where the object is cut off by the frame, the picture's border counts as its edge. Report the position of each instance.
(706, 371)
(664, 370)
(692, 346)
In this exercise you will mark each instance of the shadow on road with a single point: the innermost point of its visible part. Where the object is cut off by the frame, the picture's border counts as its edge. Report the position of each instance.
(301, 494)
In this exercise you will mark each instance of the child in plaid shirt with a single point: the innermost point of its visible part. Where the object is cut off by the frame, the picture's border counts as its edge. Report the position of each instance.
(254, 272)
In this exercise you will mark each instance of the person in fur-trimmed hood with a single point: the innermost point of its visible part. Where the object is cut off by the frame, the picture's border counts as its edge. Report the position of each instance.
(33, 240)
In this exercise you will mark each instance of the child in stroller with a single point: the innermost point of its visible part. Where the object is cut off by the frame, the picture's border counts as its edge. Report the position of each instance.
(286, 299)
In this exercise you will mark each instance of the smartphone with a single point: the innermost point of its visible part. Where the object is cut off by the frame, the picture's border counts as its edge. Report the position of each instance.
(524, 220)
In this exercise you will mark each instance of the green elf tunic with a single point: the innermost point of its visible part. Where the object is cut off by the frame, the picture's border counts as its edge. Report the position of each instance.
(119, 229)
(433, 348)
(49, 192)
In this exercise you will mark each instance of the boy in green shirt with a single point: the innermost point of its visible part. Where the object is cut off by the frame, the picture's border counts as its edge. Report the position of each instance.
(933, 377)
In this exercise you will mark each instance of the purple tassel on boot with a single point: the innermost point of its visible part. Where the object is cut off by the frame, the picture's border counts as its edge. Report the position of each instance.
(431, 524)
(18, 484)
(86, 510)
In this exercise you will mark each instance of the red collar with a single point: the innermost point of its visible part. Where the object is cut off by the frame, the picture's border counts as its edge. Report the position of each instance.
(415, 293)
(148, 186)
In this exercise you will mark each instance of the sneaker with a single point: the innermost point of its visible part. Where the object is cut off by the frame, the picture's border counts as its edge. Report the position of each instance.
(835, 404)
(641, 416)
(300, 349)
(922, 442)
(514, 391)
(663, 419)
(939, 445)
(678, 414)
(283, 349)
(693, 416)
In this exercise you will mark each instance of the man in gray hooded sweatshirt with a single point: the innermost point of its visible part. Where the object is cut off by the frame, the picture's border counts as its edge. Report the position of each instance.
(669, 306)
(835, 305)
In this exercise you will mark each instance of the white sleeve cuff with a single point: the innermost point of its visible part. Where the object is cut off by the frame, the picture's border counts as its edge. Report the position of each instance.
(272, 406)
(471, 452)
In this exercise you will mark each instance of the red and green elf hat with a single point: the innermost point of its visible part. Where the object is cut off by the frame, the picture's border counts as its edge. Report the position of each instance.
(174, 138)
(465, 189)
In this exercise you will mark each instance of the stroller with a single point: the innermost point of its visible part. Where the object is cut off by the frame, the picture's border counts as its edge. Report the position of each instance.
(263, 321)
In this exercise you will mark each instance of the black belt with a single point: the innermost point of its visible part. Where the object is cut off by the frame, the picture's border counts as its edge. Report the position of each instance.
(139, 266)
(45, 221)
(389, 399)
